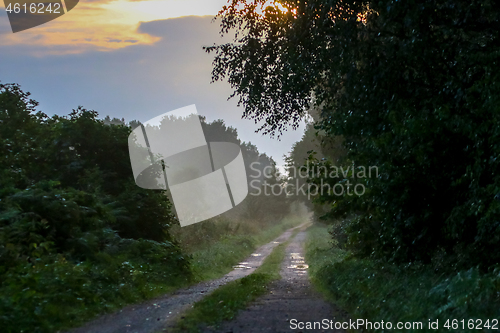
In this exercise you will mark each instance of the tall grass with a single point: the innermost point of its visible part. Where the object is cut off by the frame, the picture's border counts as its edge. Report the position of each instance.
(55, 294)
(218, 258)
(219, 244)
(377, 291)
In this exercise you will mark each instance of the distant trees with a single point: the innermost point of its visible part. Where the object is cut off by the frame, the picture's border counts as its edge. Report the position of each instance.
(411, 87)
(262, 173)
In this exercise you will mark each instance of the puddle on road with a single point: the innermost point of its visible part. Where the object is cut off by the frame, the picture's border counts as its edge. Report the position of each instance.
(298, 264)
(244, 265)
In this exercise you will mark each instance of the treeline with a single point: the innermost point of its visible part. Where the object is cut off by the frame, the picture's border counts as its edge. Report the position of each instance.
(260, 210)
(261, 171)
(78, 237)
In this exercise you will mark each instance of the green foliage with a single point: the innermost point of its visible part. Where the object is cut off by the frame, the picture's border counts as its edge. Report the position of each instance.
(412, 87)
(376, 291)
(319, 251)
(315, 151)
(52, 292)
(78, 152)
(77, 236)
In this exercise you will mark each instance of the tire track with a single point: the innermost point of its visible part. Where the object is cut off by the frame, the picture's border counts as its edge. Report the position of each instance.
(290, 298)
(156, 314)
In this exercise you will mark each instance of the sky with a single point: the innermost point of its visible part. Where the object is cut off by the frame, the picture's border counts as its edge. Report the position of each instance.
(128, 59)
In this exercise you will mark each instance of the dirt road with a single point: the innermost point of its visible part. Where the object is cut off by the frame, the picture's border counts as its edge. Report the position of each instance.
(291, 300)
(156, 314)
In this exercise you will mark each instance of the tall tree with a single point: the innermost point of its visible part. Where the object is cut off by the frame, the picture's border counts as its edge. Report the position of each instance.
(411, 86)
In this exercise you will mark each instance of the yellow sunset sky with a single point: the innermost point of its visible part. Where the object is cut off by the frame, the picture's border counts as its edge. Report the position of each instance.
(107, 25)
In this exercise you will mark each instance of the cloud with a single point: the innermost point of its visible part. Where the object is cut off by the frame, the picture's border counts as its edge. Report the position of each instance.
(89, 26)
(92, 24)
(136, 82)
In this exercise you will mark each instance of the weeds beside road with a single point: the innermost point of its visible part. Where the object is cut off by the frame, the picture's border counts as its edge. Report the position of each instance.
(378, 291)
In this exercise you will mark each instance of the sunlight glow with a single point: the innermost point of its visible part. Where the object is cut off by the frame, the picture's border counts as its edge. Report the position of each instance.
(271, 3)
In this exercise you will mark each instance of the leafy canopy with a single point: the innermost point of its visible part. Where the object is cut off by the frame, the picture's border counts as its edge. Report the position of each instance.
(411, 86)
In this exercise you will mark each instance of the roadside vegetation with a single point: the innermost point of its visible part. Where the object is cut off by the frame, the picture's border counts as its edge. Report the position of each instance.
(79, 238)
(377, 291)
(217, 258)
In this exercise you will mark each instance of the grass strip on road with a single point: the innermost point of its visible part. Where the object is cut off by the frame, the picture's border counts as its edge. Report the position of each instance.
(227, 300)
